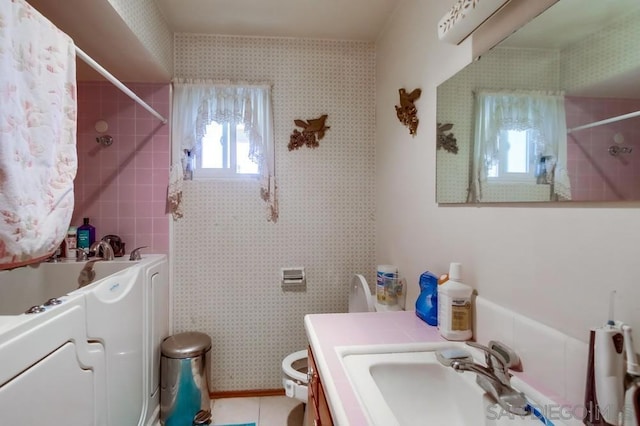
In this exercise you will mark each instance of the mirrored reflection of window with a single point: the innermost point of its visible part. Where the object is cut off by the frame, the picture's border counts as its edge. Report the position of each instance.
(516, 160)
(519, 137)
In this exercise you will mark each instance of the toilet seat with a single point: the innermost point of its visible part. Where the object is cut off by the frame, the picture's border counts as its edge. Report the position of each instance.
(295, 382)
(288, 362)
(360, 298)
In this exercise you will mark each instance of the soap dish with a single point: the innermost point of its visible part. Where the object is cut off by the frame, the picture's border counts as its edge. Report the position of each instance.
(447, 356)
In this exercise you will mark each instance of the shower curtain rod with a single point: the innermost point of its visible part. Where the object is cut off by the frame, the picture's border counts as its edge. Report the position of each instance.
(106, 74)
(607, 121)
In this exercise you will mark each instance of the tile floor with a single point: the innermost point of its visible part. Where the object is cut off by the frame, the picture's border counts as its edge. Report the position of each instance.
(263, 411)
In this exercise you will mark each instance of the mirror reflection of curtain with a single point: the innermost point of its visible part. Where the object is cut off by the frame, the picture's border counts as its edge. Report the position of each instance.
(196, 103)
(541, 114)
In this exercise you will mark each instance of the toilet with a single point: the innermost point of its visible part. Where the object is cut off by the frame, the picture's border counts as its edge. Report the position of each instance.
(294, 365)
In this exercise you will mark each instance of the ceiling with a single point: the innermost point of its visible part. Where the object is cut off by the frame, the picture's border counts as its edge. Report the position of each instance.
(328, 19)
(100, 31)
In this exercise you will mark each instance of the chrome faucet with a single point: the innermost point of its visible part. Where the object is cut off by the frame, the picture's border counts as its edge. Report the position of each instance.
(494, 378)
(107, 251)
(82, 254)
(135, 254)
(87, 274)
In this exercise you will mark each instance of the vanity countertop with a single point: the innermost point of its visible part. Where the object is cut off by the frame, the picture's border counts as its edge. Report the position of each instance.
(328, 331)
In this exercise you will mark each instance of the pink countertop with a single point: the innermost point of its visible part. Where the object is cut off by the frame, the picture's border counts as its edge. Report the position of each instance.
(328, 331)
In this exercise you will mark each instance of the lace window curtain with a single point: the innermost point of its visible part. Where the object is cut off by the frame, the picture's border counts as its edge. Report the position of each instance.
(542, 113)
(196, 103)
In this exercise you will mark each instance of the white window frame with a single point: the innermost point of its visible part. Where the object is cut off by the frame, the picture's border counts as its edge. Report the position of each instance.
(230, 170)
(504, 176)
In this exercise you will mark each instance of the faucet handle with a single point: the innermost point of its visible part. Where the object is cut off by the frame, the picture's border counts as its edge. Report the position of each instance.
(135, 253)
(510, 357)
(82, 254)
(490, 355)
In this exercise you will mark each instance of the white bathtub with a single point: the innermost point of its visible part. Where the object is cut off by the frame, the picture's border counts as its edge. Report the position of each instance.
(94, 358)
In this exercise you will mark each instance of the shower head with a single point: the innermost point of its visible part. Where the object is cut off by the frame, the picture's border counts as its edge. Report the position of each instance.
(105, 140)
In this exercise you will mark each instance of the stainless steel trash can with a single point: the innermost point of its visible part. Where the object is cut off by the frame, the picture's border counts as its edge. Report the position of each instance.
(184, 378)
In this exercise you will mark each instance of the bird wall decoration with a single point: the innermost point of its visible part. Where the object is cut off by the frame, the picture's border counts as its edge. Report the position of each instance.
(312, 131)
(446, 139)
(407, 111)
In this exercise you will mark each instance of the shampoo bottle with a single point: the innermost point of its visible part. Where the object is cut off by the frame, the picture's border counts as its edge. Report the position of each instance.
(86, 234)
(454, 306)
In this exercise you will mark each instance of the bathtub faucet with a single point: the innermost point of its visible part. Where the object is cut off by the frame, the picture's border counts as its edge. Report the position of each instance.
(107, 251)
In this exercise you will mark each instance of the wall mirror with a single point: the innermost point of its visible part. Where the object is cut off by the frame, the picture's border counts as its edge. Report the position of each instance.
(552, 113)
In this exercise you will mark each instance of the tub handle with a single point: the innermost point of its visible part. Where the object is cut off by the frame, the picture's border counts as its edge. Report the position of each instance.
(36, 309)
(82, 254)
(135, 253)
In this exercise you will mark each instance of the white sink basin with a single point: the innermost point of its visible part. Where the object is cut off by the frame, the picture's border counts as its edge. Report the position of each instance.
(406, 385)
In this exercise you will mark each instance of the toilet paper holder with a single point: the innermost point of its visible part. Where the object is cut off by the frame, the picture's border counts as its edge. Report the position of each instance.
(293, 279)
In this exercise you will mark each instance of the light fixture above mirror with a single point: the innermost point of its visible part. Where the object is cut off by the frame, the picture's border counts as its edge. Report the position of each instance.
(464, 17)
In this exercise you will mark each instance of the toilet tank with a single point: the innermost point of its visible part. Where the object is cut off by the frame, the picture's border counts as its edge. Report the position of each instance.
(360, 298)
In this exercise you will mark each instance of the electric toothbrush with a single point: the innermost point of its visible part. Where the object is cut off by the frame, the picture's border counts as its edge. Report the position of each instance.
(604, 398)
(632, 395)
(609, 371)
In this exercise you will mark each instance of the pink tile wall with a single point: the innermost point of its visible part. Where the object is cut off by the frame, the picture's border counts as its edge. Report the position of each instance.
(596, 175)
(122, 188)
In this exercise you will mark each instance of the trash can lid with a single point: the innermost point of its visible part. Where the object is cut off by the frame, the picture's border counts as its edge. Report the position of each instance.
(186, 345)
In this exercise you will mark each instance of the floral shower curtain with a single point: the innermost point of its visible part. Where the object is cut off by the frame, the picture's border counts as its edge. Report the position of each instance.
(38, 128)
(542, 113)
(196, 103)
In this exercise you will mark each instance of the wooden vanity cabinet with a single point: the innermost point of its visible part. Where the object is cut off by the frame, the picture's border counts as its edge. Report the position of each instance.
(318, 413)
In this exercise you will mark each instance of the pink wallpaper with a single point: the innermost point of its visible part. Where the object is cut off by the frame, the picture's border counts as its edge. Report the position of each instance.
(594, 173)
(122, 188)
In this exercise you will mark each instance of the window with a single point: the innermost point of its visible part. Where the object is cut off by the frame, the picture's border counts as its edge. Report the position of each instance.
(217, 129)
(516, 160)
(224, 152)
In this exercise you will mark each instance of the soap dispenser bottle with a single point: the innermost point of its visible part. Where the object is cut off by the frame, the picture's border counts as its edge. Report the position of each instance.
(454, 306)
(427, 301)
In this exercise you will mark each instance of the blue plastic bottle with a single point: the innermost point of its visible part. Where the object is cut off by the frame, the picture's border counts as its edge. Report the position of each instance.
(427, 301)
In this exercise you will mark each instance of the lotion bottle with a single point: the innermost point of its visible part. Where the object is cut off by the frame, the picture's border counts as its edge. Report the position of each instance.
(70, 243)
(454, 306)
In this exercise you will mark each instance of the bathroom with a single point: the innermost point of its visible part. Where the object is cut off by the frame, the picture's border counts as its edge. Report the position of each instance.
(365, 196)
